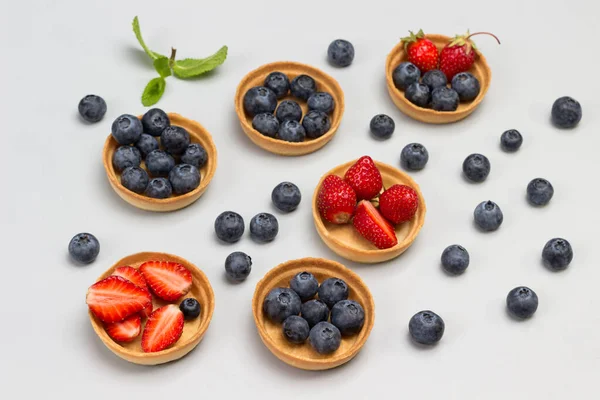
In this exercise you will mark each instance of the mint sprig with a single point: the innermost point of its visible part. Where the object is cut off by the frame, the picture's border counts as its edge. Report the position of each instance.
(183, 69)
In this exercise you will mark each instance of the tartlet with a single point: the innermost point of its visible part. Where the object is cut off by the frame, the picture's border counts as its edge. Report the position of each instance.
(325, 83)
(303, 356)
(346, 242)
(480, 69)
(193, 330)
(198, 134)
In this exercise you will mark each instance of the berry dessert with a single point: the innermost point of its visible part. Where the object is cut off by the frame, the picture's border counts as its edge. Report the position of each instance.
(414, 157)
(286, 196)
(539, 192)
(566, 112)
(382, 126)
(340, 53)
(455, 259)
(84, 248)
(92, 108)
(511, 140)
(522, 302)
(426, 327)
(238, 266)
(488, 216)
(557, 254)
(264, 227)
(476, 167)
(229, 226)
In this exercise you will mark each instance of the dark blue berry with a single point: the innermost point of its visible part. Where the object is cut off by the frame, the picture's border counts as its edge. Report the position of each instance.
(444, 99)
(382, 126)
(281, 303)
(557, 254)
(135, 179)
(511, 140)
(295, 329)
(466, 85)
(84, 248)
(303, 86)
(333, 290)
(238, 266)
(190, 308)
(418, 94)
(278, 82)
(314, 311)
(426, 327)
(264, 227)
(340, 53)
(159, 188)
(476, 167)
(305, 284)
(229, 226)
(348, 316)
(566, 112)
(316, 124)
(146, 144)
(195, 155)
(159, 163)
(414, 156)
(539, 192)
(92, 108)
(260, 100)
(321, 101)
(325, 338)
(405, 75)
(522, 302)
(488, 216)
(434, 79)
(455, 259)
(155, 121)
(126, 156)
(288, 110)
(292, 131)
(126, 129)
(175, 140)
(184, 178)
(286, 196)
(266, 123)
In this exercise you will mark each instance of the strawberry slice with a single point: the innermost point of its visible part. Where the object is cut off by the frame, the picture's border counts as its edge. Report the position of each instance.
(126, 330)
(115, 298)
(164, 327)
(135, 277)
(168, 280)
(373, 227)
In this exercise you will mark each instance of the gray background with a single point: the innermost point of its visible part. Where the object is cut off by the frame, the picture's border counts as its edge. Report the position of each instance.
(54, 186)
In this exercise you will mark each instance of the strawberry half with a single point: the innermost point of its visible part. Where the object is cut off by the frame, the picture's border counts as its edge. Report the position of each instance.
(336, 200)
(164, 327)
(399, 203)
(459, 55)
(421, 51)
(115, 298)
(373, 227)
(126, 330)
(168, 280)
(364, 178)
(135, 277)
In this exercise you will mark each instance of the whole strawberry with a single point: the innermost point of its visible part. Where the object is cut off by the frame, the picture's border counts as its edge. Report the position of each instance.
(421, 51)
(336, 200)
(459, 55)
(364, 177)
(372, 226)
(399, 203)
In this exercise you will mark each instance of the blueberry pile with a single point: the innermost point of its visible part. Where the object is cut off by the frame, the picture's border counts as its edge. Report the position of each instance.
(284, 121)
(324, 320)
(172, 162)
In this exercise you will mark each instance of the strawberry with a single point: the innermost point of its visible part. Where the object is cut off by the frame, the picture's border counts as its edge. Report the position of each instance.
(373, 227)
(364, 178)
(135, 277)
(168, 280)
(398, 203)
(114, 298)
(421, 51)
(164, 327)
(458, 55)
(126, 330)
(336, 200)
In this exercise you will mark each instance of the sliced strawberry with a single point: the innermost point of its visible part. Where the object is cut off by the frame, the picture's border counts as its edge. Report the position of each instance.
(126, 330)
(336, 200)
(135, 277)
(168, 280)
(373, 227)
(164, 327)
(364, 177)
(115, 298)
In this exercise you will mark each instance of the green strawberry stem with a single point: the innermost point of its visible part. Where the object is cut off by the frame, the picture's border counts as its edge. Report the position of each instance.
(483, 33)
(172, 58)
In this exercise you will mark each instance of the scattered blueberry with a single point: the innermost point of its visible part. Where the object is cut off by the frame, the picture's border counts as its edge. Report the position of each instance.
(426, 327)
(418, 94)
(278, 82)
(414, 156)
(566, 112)
(264, 227)
(314, 311)
(155, 121)
(92, 108)
(175, 140)
(316, 124)
(382, 126)
(159, 188)
(348, 316)
(159, 163)
(281, 303)
(195, 155)
(146, 144)
(405, 75)
(238, 266)
(434, 79)
(288, 110)
(126, 156)
(476, 167)
(229, 226)
(126, 129)
(325, 338)
(260, 100)
(286, 196)
(511, 140)
(303, 86)
(333, 290)
(190, 308)
(184, 178)
(295, 329)
(466, 85)
(522, 302)
(292, 131)
(340, 53)
(444, 99)
(557, 254)
(305, 284)
(488, 216)
(135, 179)
(455, 259)
(266, 123)
(84, 248)
(539, 192)
(321, 101)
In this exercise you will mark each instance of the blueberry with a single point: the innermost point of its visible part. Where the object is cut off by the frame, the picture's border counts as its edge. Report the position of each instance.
(190, 308)
(566, 112)
(466, 85)
(316, 124)
(557, 254)
(264, 227)
(135, 179)
(444, 99)
(340, 53)
(286, 196)
(348, 316)
(175, 140)
(455, 259)
(126, 156)
(238, 266)
(195, 155)
(305, 284)
(303, 86)
(418, 94)
(159, 188)
(325, 338)
(281, 303)
(382, 126)
(260, 100)
(522, 302)
(539, 192)
(265, 123)
(333, 290)
(155, 121)
(295, 329)
(126, 129)
(426, 327)
(146, 144)
(488, 216)
(511, 140)
(321, 101)
(292, 131)
(288, 110)
(405, 75)
(278, 82)
(434, 79)
(92, 108)
(314, 311)
(84, 248)
(414, 156)
(159, 163)
(229, 226)
(184, 178)
(476, 167)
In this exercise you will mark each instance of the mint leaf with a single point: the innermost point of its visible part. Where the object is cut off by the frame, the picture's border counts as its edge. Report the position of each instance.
(191, 67)
(161, 65)
(138, 35)
(153, 91)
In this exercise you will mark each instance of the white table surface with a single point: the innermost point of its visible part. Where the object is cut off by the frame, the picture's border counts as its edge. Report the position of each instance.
(54, 186)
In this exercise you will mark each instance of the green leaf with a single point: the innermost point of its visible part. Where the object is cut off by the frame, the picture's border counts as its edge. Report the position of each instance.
(191, 67)
(138, 35)
(161, 65)
(153, 91)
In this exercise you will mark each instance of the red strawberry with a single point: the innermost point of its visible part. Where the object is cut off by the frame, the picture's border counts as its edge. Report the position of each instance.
(373, 227)
(164, 327)
(364, 178)
(135, 277)
(336, 200)
(168, 280)
(421, 52)
(398, 203)
(458, 55)
(126, 330)
(114, 298)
